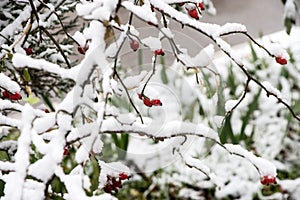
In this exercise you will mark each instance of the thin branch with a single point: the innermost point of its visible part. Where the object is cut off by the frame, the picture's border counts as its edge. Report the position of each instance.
(129, 98)
(239, 101)
(58, 46)
(153, 72)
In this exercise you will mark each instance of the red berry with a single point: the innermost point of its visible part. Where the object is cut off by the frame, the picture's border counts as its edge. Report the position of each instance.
(140, 96)
(156, 102)
(281, 60)
(116, 183)
(147, 102)
(193, 13)
(66, 151)
(5, 94)
(159, 52)
(134, 45)
(81, 50)
(201, 6)
(108, 188)
(123, 176)
(28, 51)
(46, 110)
(15, 96)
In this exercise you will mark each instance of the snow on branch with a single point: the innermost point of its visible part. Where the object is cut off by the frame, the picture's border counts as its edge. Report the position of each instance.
(143, 12)
(264, 167)
(169, 129)
(8, 84)
(21, 61)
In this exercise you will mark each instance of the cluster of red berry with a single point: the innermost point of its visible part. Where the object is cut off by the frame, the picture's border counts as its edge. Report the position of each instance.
(148, 102)
(266, 180)
(7, 95)
(114, 183)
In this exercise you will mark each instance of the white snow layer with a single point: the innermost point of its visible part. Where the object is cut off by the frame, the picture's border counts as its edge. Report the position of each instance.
(265, 167)
(144, 12)
(8, 84)
(20, 61)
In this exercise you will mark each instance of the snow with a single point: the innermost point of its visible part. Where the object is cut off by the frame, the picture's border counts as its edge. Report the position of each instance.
(144, 12)
(99, 10)
(277, 50)
(170, 129)
(204, 57)
(227, 49)
(42, 124)
(33, 190)
(264, 167)
(113, 169)
(290, 10)
(20, 61)
(16, 25)
(132, 82)
(8, 84)
(229, 28)
(230, 104)
(152, 42)
(6, 166)
(206, 28)
(82, 154)
(6, 104)
(80, 38)
(180, 1)
(272, 89)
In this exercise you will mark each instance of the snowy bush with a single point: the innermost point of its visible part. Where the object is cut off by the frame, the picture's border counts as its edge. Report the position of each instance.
(96, 95)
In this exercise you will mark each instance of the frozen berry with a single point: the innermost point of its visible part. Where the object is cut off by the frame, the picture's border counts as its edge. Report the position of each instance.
(201, 6)
(140, 96)
(123, 176)
(5, 94)
(116, 183)
(147, 102)
(81, 50)
(156, 102)
(66, 151)
(15, 96)
(46, 110)
(266, 180)
(108, 188)
(281, 60)
(28, 51)
(159, 52)
(134, 45)
(193, 13)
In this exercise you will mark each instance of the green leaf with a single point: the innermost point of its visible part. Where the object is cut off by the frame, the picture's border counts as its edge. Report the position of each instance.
(252, 107)
(26, 75)
(254, 55)
(32, 100)
(163, 72)
(288, 24)
(48, 102)
(227, 132)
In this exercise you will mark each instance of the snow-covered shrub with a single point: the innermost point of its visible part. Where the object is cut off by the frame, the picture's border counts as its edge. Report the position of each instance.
(77, 121)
